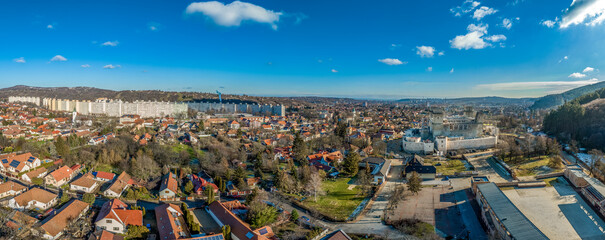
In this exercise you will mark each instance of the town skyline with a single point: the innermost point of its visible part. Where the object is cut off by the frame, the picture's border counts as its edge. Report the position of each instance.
(271, 48)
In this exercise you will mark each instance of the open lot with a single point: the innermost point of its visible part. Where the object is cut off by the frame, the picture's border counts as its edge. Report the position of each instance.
(339, 201)
(433, 205)
(558, 211)
(491, 169)
(534, 166)
(207, 224)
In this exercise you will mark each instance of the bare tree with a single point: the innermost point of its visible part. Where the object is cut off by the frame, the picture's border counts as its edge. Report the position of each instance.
(313, 186)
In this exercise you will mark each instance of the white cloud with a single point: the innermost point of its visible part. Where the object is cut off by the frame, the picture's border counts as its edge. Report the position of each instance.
(50, 26)
(391, 61)
(85, 65)
(482, 28)
(472, 40)
(429, 69)
(577, 75)
(563, 59)
(441, 53)
(452, 71)
(588, 69)
(153, 28)
(549, 23)
(334, 71)
(466, 7)
(425, 51)
(507, 23)
(589, 12)
(483, 11)
(514, 86)
(110, 66)
(496, 38)
(234, 13)
(110, 43)
(58, 58)
(19, 60)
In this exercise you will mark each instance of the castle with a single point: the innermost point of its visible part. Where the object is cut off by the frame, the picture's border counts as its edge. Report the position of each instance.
(145, 109)
(446, 133)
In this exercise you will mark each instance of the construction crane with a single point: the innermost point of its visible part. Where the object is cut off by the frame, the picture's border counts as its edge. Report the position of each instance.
(219, 96)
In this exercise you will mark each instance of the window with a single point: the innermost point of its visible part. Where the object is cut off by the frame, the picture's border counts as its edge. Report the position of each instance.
(116, 229)
(108, 221)
(167, 191)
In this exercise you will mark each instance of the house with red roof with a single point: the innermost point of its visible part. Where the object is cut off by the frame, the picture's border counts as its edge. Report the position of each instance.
(169, 186)
(239, 229)
(60, 176)
(103, 176)
(17, 163)
(115, 217)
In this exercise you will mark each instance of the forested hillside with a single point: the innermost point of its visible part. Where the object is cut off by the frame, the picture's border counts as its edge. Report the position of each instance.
(580, 121)
(554, 100)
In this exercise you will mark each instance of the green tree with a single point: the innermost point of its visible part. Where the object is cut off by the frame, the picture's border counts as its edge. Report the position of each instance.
(351, 163)
(299, 149)
(226, 232)
(64, 197)
(37, 181)
(414, 183)
(341, 130)
(136, 232)
(61, 146)
(261, 215)
(88, 198)
(294, 215)
(210, 195)
(188, 187)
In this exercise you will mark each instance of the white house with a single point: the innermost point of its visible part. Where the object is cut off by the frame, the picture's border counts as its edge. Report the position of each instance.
(34, 198)
(115, 217)
(37, 173)
(84, 184)
(11, 188)
(53, 226)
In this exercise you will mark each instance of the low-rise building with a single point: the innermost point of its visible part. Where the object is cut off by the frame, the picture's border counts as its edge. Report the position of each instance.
(502, 218)
(37, 173)
(116, 217)
(86, 184)
(53, 226)
(60, 176)
(416, 164)
(379, 168)
(103, 176)
(11, 188)
(169, 186)
(170, 221)
(34, 198)
(119, 185)
(239, 229)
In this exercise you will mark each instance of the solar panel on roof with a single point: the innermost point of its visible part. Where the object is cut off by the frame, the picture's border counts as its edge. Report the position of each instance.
(249, 235)
(263, 231)
(15, 163)
(4, 161)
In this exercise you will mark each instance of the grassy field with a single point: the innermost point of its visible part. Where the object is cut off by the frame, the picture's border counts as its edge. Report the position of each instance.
(338, 202)
(534, 166)
(550, 181)
(449, 167)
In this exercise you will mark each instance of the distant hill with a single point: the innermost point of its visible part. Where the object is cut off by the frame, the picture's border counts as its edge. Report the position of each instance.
(555, 100)
(474, 101)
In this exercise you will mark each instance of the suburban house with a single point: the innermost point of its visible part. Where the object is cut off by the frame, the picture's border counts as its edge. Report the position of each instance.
(336, 235)
(169, 186)
(416, 164)
(59, 177)
(85, 184)
(170, 222)
(379, 168)
(11, 188)
(104, 235)
(37, 173)
(234, 125)
(200, 184)
(239, 229)
(116, 217)
(34, 198)
(18, 163)
(119, 185)
(53, 226)
(18, 220)
(103, 176)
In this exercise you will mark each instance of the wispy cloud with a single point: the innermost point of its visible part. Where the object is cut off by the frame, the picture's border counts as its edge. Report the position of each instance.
(111, 66)
(549, 23)
(110, 43)
(58, 58)
(483, 11)
(588, 69)
(85, 65)
(429, 69)
(452, 71)
(588, 12)
(19, 60)
(514, 86)
(233, 14)
(391, 61)
(466, 7)
(577, 75)
(334, 70)
(507, 23)
(50, 26)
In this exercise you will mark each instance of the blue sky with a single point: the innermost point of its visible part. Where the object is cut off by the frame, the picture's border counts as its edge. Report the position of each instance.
(362, 49)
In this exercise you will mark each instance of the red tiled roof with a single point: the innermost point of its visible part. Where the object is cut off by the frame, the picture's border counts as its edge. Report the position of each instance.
(239, 228)
(61, 173)
(68, 213)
